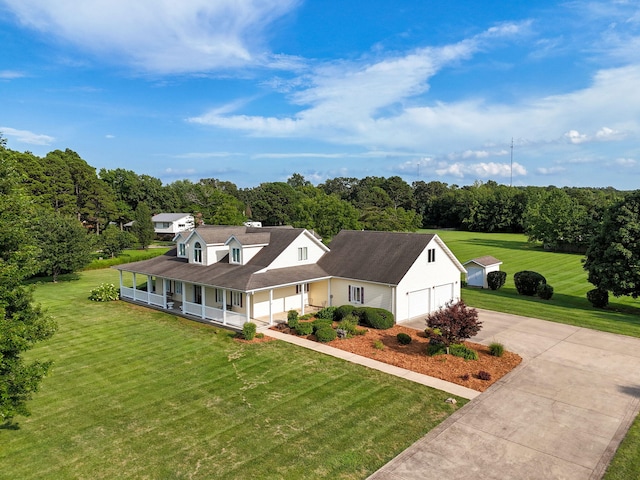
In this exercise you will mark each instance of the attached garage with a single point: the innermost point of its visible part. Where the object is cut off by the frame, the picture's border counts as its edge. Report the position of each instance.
(419, 302)
(442, 294)
(478, 269)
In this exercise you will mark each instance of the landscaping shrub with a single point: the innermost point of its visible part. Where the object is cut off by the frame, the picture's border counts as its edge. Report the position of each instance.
(326, 334)
(495, 280)
(249, 330)
(378, 345)
(403, 338)
(435, 349)
(260, 335)
(377, 318)
(326, 313)
(342, 311)
(306, 316)
(304, 328)
(545, 291)
(482, 375)
(453, 323)
(598, 297)
(106, 292)
(464, 376)
(292, 319)
(321, 323)
(527, 282)
(496, 349)
(461, 350)
(349, 324)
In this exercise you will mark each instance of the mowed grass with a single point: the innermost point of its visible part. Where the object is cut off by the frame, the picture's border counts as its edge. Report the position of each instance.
(563, 272)
(127, 256)
(136, 393)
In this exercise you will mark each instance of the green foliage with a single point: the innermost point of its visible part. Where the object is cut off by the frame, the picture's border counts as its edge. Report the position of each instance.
(613, 257)
(377, 318)
(378, 345)
(403, 338)
(249, 330)
(349, 324)
(527, 282)
(496, 349)
(306, 316)
(304, 328)
(342, 311)
(435, 349)
(326, 313)
(106, 292)
(325, 334)
(142, 226)
(545, 291)
(598, 297)
(114, 241)
(461, 350)
(64, 242)
(321, 323)
(292, 319)
(453, 323)
(496, 279)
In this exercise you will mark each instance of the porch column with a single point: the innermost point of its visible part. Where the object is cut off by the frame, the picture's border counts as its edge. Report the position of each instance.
(224, 306)
(271, 306)
(248, 307)
(204, 301)
(164, 292)
(184, 296)
(149, 288)
(135, 285)
(302, 299)
(329, 299)
(393, 303)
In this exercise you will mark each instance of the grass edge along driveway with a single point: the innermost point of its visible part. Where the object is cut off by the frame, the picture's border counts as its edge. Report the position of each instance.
(136, 393)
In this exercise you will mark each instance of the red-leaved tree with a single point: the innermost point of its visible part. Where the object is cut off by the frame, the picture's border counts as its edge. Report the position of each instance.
(453, 323)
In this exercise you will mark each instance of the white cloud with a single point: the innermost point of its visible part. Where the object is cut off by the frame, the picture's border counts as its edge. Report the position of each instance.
(25, 136)
(550, 170)
(576, 137)
(11, 74)
(626, 162)
(162, 36)
(482, 170)
(109, 136)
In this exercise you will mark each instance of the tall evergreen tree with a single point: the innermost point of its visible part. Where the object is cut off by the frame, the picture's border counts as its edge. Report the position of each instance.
(142, 225)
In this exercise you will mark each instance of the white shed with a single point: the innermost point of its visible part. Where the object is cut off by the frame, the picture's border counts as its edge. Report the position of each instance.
(478, 268)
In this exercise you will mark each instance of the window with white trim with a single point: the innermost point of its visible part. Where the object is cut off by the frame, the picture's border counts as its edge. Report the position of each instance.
(197, 252)
(356, 294)
(236, 299)
(302, 253)
(219, 295)
(197, 294)
(299, 288)
(178, 287)
(235, 255)
(431, 255)
(182, 250)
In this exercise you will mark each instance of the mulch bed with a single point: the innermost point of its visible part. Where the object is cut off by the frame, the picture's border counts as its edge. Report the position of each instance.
(413, 357)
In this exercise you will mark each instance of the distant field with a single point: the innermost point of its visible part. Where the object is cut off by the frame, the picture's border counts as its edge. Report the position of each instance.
(563, 271)
(137, 393)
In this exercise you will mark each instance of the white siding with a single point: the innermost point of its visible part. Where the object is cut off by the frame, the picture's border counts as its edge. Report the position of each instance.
(375, 295)
(289, 257)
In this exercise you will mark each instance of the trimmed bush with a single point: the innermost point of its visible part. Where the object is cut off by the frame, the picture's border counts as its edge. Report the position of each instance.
(292, 319)
(435, 349)
(326, 313)
(482, 375)
(496, 349)
(527, 282)
(545, 291)
(461, 350)
(378, 345)
(495, 280)
(321, 323)
(306, 316)
(377, 318)
(403, 338)
(598, 297)
(249, 330)
(326, 334)
(342, 311)
(106, 292)
(349, 324)
(304, 328)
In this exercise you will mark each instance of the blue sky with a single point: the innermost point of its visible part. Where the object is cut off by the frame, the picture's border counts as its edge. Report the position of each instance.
(252, 91)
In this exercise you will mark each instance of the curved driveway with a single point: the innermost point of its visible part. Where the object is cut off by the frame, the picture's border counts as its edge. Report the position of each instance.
(560, 415)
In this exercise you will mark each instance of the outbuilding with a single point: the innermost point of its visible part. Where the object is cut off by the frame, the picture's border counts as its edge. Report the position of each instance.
(478, 269)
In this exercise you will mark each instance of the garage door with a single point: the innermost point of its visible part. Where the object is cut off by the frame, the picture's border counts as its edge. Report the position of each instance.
(475, 278)
(419, 302)
(442, 295)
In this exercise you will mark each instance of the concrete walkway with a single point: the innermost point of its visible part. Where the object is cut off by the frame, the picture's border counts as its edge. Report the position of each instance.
(561, 414)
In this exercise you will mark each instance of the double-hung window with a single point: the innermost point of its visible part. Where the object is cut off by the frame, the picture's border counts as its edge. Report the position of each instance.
(182, 251)
(236, 299)
(235, 255)
(302, 253)
(197, 252)
(356, 294)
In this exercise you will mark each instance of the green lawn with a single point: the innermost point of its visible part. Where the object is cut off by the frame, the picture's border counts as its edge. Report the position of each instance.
(136, 393)
(563, 271)
(127, 256)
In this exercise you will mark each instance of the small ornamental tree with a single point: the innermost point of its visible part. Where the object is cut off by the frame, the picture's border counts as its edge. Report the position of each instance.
(453, 323)
(496, 279)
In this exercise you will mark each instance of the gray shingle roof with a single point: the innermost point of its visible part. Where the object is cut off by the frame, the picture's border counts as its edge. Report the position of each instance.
(168, 217)
(383, 257)
(485, 261)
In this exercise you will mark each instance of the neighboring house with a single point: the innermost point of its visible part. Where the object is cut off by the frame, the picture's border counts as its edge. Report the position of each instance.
(478, 269)
(172, 223)
(234, 274)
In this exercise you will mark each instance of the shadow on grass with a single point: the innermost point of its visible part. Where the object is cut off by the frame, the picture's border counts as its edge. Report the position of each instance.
(504, 244)
(9, 425)
(66, 277)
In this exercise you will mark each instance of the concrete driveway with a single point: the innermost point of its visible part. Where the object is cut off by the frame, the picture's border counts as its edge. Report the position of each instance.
(560, 415)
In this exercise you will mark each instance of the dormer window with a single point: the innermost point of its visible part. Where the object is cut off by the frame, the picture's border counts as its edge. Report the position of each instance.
(235, 255)
(182, 250)
(197, 252)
